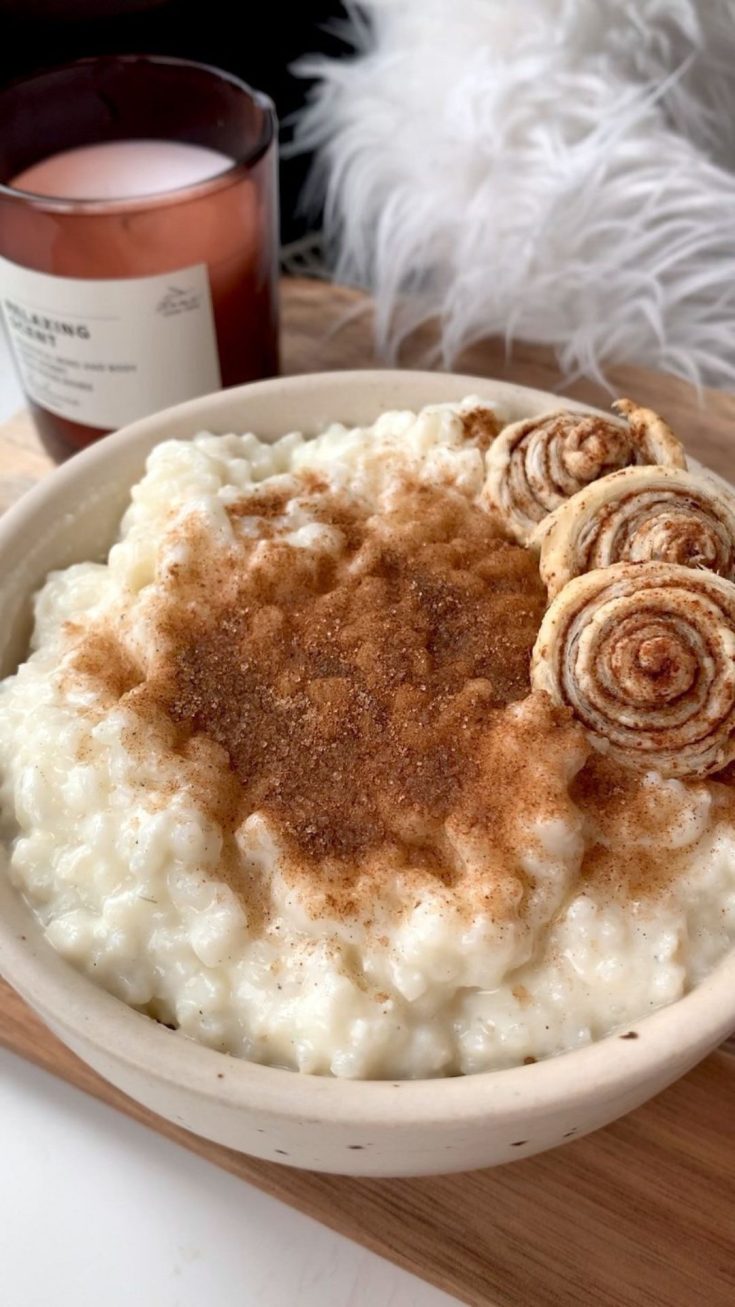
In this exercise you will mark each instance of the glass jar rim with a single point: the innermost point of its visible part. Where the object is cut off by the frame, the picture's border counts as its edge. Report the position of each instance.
(232, 173)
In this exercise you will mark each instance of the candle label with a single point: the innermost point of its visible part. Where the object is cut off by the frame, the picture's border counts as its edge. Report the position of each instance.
(106, 352)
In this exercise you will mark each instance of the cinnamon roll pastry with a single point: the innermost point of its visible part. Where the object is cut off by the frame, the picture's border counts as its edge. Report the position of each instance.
(538, 463)
(644, 655)
(639, 515)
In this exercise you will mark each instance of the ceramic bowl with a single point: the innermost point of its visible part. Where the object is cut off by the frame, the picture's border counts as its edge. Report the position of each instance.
(354, 1127)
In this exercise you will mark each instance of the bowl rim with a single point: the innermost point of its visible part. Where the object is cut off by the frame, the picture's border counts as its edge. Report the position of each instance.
(675, 1035)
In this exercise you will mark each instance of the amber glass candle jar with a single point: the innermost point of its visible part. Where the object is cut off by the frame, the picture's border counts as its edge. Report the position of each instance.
(119, 303)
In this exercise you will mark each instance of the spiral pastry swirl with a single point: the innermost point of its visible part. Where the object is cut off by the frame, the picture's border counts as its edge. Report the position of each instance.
(644, 655)
(537, 464)
(639, 515)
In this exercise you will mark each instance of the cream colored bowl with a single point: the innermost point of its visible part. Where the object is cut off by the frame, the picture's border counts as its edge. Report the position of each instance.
(355, 1127)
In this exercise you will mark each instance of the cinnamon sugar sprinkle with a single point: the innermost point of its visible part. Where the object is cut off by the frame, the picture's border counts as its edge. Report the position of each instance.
(481, 426)
(357, 698)
(614, 797)
(356, 694)
(350, 691)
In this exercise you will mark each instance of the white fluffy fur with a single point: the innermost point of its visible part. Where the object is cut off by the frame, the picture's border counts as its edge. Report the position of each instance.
(557, 170)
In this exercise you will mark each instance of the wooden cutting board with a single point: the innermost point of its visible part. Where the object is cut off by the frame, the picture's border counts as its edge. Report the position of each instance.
(641, 1214)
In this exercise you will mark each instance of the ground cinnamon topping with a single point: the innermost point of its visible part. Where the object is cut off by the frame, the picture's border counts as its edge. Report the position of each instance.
(349, 691)
(269, 501)
(103, 660)
(632, 851)
(358, 696)
(356, 693)
(481, 425)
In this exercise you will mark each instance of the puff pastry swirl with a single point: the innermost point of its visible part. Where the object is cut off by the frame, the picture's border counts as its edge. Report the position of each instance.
(638, 515)
(644, 655)
(534, 465)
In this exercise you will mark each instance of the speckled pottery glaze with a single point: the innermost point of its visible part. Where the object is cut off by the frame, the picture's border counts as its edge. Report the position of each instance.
(377, 1128)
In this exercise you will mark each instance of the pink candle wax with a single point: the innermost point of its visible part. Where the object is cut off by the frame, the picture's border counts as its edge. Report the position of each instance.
(117, 170)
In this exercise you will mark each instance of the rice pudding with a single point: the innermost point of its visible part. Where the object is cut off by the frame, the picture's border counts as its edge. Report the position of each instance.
(276, 774)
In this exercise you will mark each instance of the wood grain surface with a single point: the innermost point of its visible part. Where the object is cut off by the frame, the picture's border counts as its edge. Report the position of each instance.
(641, 1214)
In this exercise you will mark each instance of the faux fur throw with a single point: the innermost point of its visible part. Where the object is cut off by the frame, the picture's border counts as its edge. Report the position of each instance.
(557, 170)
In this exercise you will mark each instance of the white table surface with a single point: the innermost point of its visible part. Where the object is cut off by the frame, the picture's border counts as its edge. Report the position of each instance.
(95, 1209)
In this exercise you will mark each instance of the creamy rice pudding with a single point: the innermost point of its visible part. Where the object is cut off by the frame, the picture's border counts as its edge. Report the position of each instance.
(283, 774)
